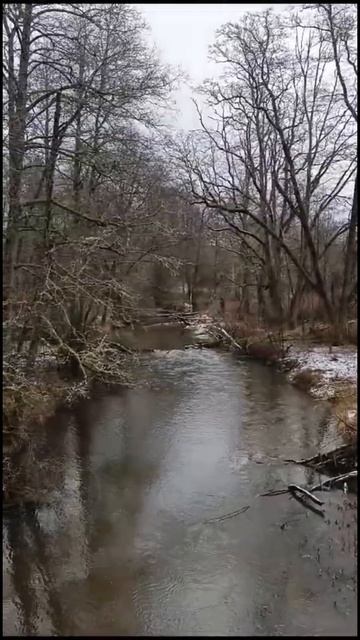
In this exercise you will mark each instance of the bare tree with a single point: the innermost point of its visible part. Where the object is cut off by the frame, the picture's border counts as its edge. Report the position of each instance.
(80, 82)
(281, 123)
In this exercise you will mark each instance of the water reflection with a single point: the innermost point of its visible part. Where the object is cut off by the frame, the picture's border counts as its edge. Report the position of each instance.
(125, 546)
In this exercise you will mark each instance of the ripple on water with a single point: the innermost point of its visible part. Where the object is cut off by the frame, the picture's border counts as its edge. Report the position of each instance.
(135, 544)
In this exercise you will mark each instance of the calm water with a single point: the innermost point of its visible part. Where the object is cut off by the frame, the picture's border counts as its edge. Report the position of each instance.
(130, 542)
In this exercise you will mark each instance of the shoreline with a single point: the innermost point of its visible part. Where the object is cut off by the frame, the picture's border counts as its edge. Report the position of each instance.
(328, 375)
(324, 372)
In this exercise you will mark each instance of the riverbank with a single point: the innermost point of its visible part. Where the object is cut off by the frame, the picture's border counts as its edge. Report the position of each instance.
(33, 391)
(328, 374)
(330, 368)
(324, 371)
(32, 396)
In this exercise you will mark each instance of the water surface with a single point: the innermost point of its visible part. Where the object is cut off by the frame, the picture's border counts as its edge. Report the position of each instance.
(131, 541)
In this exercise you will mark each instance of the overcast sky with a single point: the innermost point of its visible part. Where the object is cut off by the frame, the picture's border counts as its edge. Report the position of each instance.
(183, 33)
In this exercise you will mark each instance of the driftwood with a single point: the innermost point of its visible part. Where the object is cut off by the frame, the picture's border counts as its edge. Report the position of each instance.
(307, 505)
(276, 492)
(338, 457)
(294, 487)
(229, 337)
(325, 485)
(229, 515)
(331, 481)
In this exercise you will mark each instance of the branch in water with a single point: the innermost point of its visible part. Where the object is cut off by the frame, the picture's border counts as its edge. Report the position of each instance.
(229, 515)
(328, 483)
(294, 487)
(346, 450)
(306, 504)
(291, 489)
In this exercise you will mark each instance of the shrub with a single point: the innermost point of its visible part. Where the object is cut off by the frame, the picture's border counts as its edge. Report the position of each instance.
(306, 379)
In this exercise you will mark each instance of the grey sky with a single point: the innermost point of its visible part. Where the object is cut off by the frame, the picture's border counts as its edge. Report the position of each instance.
(183, 33)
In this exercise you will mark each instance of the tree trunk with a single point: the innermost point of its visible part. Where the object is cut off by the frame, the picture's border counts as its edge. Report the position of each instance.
(77, 183)
(17, 89)
(349, 268)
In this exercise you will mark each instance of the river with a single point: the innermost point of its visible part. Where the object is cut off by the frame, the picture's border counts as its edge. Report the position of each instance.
(133, 540)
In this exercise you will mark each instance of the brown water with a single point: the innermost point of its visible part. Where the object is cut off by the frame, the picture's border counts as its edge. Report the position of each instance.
(130, 542)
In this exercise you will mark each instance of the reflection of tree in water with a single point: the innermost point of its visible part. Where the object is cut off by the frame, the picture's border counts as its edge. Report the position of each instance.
(129, 464)
(95, 519)
(265, 404)
(114, 472)
(37, 468)
(279, 580)
(30, 555)
(88, 558)
(292, 419)
(35, 552)
(21, 573)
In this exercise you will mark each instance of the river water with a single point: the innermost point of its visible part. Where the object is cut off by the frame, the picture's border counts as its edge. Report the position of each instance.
(134, 539)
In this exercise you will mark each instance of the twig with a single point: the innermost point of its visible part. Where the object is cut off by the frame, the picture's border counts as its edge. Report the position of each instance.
(276, 492)
(233, 514)
(65, 345)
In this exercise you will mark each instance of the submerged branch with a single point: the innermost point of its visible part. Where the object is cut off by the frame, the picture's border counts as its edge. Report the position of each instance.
(336, 457)
(331, 481)
(294, 487)
(233, 514)
(306, 504)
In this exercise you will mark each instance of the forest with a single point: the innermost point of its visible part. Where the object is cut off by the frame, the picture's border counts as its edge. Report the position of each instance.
(109, 212)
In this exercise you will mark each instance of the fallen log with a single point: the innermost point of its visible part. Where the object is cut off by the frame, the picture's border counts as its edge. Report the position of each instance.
(294, 487)
(307, 505)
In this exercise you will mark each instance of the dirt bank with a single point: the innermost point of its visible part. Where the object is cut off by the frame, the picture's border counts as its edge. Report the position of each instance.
(328, 373)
